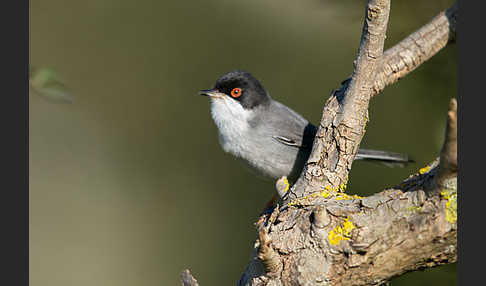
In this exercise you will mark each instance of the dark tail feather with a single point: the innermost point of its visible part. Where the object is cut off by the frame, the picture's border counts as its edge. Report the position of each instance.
(388, 158)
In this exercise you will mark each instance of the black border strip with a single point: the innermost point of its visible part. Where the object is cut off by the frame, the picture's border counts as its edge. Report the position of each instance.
(14, 115)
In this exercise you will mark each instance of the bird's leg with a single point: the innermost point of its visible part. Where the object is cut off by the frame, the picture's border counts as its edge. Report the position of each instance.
(269, 205)
(282, 185)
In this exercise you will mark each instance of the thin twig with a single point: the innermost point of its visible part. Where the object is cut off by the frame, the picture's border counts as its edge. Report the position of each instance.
(418, 47)
(447, 168)
(187, 279)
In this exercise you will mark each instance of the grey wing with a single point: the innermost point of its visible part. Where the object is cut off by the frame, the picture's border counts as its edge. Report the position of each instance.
(289, 127)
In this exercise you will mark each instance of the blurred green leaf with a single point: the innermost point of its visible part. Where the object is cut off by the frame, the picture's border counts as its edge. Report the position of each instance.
(45, 83)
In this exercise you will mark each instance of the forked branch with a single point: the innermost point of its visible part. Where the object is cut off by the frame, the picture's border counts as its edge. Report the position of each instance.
(352, 240)
(332, 238)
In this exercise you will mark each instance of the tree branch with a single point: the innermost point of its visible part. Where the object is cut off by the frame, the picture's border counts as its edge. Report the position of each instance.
(187, 279)
(396, 63)
(352, 240)
(414, 50)
(448, 154)
(327, 237)
(338, 239)
(346, 112)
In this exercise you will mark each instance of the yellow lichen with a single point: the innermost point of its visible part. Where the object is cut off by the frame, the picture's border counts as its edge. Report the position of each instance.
(424, 170)
(341, 232)
(451, 205)
(414, 209)
(343, 196)
(328, 192)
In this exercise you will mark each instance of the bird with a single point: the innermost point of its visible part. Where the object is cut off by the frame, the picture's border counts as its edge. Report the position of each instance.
(268, 136)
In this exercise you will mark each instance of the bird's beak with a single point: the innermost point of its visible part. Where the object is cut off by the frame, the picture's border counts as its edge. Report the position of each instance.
(210, 92)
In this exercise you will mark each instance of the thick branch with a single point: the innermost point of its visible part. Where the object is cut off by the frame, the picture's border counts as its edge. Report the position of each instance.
(352, 240)
(346, 112)
(340, 239)
(397, 62)
(362, 241)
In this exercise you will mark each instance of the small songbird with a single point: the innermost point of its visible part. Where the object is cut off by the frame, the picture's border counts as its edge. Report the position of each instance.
(269, 136)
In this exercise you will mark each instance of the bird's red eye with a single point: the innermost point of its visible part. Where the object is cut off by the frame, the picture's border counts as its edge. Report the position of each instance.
(236, 92)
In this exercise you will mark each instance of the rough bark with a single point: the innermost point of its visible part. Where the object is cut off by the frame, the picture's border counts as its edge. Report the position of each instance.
(352, 240)
(417, 48)
(345, 113)
(323, 236)
(332, 150)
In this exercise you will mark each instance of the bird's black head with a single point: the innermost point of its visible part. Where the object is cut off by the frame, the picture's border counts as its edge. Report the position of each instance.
(242, 87)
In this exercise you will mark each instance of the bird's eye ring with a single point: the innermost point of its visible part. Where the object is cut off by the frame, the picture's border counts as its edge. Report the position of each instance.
(236, 92)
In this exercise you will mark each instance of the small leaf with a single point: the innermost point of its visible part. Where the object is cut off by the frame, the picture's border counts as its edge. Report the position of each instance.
(45, 82)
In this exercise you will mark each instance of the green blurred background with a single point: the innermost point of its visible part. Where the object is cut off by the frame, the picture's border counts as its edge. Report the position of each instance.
(128, 185)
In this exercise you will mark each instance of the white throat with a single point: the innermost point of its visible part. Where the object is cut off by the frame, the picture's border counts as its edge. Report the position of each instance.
(232, 122)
